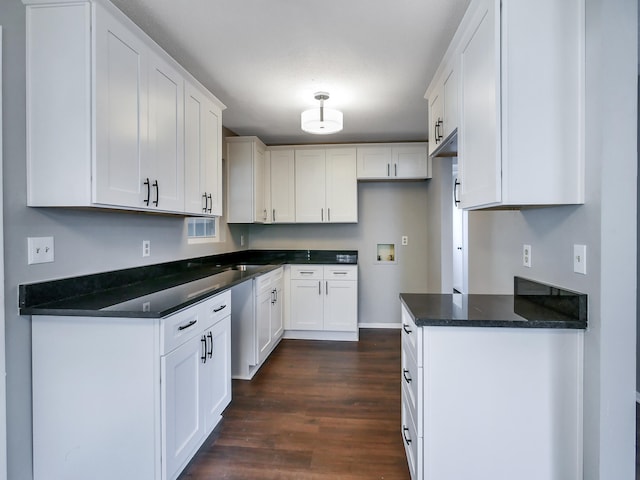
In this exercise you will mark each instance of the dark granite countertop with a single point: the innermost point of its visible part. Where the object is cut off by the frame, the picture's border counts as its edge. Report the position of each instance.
(533, 305)
(156, 291)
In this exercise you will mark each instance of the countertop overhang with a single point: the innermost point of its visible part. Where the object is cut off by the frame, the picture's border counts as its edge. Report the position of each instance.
(533, 305)
(156, 291)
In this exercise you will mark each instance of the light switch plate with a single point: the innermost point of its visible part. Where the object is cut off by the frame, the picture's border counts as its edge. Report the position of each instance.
(40, 250)
(580, 259)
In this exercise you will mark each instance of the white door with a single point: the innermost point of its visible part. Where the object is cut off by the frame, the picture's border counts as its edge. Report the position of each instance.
(458, 221)
(277, 312)
(283, 186)
(182, 414)
(121, 115)
(212, 176)
(374, 162)
(306, 304)
(217, 373)
(409, 162)
(310, 186)
(341, 305)
(341, 186)
(195, 198)
(166, 135)
(263, 323)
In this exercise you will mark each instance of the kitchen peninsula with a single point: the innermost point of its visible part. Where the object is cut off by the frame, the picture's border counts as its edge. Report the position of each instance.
(492, 384)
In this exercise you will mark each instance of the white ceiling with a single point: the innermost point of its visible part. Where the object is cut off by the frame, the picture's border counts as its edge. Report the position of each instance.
(264, 59)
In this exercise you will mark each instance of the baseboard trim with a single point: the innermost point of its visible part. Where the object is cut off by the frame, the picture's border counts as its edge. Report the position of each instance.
(321, 335)
(380, 325)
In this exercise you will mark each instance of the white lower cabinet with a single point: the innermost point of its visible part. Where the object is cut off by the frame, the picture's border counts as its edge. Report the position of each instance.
(128, 397)
(467, 412)
(324, 302)
(258, 321)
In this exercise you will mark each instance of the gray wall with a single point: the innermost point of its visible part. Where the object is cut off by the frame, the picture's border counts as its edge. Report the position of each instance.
(386, 211)
(85, 241)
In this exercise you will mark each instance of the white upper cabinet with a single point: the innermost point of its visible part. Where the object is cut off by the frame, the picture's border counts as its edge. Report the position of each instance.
(520, 104)
(105, 113)
(202, 152)
(246, 183)
(443, 108)
(397, 161)
(281, 186)
(326, 185)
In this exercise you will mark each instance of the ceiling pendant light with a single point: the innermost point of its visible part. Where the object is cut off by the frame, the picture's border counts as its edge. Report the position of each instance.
(321, 121)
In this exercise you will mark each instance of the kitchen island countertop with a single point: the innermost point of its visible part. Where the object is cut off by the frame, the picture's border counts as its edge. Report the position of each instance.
(533, 305)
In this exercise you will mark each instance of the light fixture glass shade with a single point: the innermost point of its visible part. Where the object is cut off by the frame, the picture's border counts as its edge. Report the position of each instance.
(330, 123)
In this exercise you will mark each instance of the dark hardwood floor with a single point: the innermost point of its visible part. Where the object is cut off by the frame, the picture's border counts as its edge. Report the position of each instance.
(316, 410)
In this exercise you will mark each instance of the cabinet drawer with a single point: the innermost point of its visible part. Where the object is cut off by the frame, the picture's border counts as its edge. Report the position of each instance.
(340, 272)
(181, 327)
(266, 282)
(216, 308)
(411, 337)
(412, 444)
(412, 391)
(307, 272)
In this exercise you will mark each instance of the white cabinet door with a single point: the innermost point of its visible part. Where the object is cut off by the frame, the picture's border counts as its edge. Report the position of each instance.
(277, 311)
(341, 305)
(181, 396)
(341, 185)
(436, 121)
(310, 186)
(121, 128)
(374, 162)
(409, 162)
(196, 200)
(306, 305)
(480, 165)
(166, 136)
(203, 164)
(245, 180)
(263, 324)
(282, 186)
(216, 372)
(394, 161)
(450, 101)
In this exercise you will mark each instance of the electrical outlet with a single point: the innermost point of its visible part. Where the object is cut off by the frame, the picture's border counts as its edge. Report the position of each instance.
(40, 250)
(526, 255)
(146, 248)
(241, 240)
(580, 259)
(405, 240)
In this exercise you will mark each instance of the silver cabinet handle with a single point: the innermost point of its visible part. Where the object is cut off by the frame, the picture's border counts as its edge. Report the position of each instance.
(326, 288)
(306, 272)
(264, 215)
(273, 216)
(328, 214)
(319, 287)
(387, 169)
(322, 214)
(395, 169)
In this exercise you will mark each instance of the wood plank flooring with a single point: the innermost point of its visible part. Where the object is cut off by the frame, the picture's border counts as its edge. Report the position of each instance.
(316, 410)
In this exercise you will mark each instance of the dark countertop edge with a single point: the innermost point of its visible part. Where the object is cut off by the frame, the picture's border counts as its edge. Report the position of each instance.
(175, 273)
(68, 312)
(515, 323)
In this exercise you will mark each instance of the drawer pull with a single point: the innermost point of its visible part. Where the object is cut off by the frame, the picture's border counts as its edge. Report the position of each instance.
(187, 325)
(407, 378)
(216, 310)
(406, 328)
(305, 272)
(339, 273)
(407, 440)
